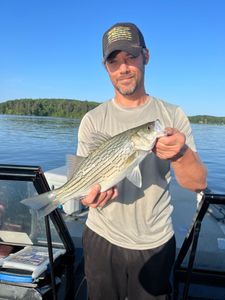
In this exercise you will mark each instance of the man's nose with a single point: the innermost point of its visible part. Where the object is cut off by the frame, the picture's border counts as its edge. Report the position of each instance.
(123, 67)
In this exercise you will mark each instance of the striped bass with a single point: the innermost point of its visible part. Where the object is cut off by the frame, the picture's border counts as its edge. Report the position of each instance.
(112, 160)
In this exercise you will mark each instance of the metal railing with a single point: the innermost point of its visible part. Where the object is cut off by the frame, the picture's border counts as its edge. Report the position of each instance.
(189, 274)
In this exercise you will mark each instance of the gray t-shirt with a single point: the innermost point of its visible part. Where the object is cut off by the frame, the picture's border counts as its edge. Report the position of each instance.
(140, 218)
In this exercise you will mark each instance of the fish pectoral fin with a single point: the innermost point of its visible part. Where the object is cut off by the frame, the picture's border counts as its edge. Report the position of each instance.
(135, 177)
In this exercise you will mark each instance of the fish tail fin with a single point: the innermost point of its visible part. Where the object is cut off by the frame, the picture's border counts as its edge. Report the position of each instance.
(43, 204)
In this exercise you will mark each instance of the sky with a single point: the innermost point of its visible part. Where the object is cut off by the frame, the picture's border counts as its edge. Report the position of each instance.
(53, 49)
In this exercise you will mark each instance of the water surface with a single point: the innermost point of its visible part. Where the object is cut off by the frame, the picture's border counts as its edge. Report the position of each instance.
(45, 141)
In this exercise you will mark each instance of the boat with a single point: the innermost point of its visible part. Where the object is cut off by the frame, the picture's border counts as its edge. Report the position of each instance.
(199, 224)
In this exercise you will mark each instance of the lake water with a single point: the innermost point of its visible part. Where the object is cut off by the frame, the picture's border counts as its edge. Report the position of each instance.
(45, 142)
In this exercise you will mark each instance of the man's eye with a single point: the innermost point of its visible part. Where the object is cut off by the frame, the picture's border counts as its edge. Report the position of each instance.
(111, 61)
(131, 57)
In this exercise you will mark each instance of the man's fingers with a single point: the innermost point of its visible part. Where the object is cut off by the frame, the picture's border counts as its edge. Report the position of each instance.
(105, 197)
(97, 198)
(171, 131)
(115, 193)
(91, 197)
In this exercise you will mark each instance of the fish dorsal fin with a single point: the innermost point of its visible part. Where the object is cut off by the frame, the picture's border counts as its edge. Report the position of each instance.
(96, 140)
(135, 177)
(73, 162)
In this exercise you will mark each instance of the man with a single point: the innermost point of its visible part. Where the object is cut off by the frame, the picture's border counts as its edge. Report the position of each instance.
(129, 244)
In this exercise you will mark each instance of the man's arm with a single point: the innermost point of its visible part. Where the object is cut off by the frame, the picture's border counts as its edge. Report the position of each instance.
(189, 171)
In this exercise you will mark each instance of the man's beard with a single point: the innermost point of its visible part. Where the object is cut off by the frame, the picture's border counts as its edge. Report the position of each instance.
(130, 89)
(126, 91)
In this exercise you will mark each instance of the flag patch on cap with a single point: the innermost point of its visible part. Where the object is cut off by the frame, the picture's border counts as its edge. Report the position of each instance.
(119, 33)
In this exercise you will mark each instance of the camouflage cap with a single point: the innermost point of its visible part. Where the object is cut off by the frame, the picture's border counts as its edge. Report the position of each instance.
(123, 37)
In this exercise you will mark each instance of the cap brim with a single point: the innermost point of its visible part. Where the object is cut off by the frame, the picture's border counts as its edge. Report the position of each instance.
(120, 46)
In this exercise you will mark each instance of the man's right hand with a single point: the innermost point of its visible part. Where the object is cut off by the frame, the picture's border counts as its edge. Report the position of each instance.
(96, 198)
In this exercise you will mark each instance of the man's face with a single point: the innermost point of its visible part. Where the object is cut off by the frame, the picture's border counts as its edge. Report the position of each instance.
(126, 72)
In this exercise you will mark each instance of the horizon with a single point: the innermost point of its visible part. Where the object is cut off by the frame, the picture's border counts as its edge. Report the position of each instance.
(51, 49)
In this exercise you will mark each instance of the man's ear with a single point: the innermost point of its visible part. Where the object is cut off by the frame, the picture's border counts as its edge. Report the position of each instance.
(146, 55)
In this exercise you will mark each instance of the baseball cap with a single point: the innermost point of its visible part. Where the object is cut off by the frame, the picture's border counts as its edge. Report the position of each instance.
(123, 37)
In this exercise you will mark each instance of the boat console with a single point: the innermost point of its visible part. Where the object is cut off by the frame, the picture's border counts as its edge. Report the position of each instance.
(38, 258)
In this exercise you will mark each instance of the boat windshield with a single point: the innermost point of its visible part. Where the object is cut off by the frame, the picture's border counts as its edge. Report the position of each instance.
(18, 224)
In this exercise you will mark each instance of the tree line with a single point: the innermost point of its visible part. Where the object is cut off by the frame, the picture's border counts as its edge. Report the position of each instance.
(47, 107)
(205, 119)
(69, 108)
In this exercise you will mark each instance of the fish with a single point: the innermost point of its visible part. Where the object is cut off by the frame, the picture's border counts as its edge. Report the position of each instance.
(111, 159)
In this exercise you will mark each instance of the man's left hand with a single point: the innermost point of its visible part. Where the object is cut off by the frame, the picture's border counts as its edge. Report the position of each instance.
(170, 145)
